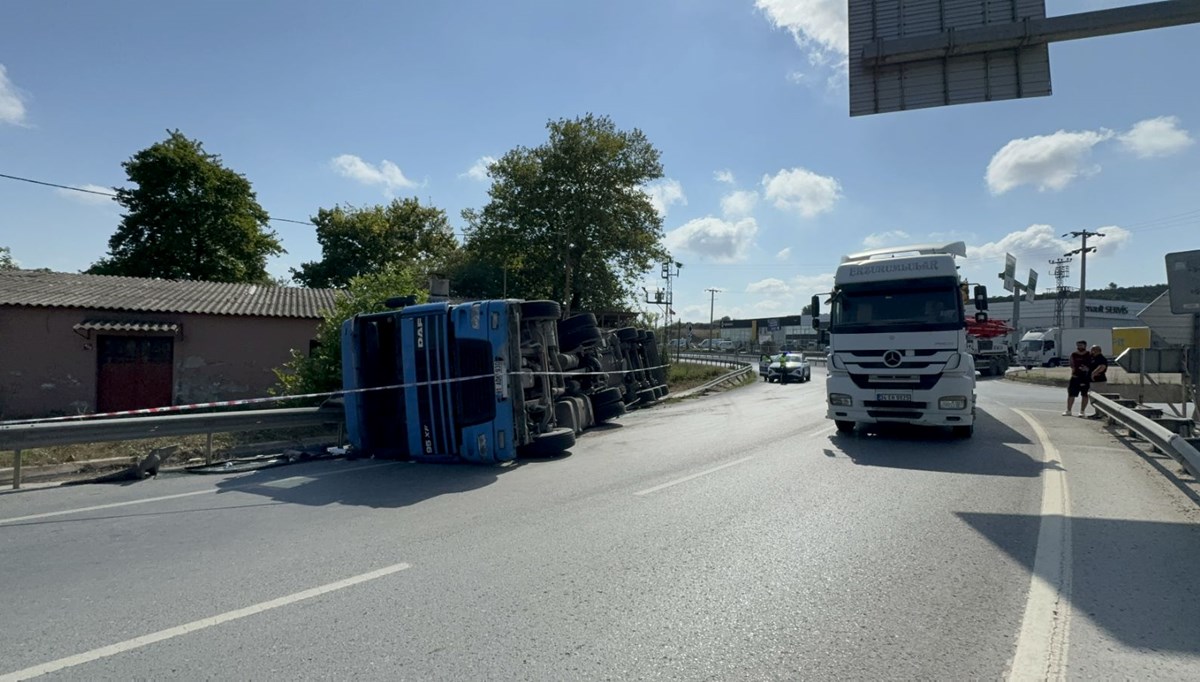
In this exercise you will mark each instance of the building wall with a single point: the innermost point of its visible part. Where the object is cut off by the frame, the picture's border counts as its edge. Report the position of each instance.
(48, 369)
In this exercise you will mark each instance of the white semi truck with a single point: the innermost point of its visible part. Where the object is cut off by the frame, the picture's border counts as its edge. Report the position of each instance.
(897, 340)
(1053, 347)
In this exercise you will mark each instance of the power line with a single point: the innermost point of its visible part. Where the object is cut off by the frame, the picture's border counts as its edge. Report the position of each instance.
(114, 194)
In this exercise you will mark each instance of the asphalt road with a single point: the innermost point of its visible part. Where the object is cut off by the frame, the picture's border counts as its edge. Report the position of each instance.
(730, 537)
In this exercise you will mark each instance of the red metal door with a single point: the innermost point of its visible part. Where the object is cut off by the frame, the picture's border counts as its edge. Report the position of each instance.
(134, 372)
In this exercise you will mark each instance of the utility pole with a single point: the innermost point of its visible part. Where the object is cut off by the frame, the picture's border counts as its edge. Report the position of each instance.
(670, 270)
(712, 302)
(1082, 252)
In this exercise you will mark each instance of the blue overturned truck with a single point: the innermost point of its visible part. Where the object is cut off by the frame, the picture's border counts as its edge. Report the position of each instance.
(488, 381)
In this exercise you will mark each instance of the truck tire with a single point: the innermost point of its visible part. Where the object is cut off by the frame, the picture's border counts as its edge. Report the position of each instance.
(608, 396)
(549, 444)
(843, 426)
(626, 334)
(608, 412)
(575, 322)
(963, 431)
(584, 337)
(540, 310)
(646, 396)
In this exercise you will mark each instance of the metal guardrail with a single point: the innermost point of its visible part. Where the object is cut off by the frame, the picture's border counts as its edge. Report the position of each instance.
(746, 368)
(18, 437)
(1162, 438)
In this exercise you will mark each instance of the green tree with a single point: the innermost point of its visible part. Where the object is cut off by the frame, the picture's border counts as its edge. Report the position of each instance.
(188, 218)
(321, 369)
(6, 260)
(568, 220)
(356, 241)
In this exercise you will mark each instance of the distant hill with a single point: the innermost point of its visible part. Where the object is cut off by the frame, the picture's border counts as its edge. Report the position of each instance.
(1142, 294)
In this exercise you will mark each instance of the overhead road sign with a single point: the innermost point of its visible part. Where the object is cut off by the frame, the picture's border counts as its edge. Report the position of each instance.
(911, 54)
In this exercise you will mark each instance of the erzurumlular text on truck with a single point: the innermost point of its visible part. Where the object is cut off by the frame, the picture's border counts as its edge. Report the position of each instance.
(898, 348)
(488, 381)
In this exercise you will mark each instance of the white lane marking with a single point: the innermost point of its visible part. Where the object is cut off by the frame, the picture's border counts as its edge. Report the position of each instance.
(147, 500)
(1045, 630)
(685, 479)
(195, 626)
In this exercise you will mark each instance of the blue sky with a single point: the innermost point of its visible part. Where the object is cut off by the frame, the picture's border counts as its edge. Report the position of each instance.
(768, 181)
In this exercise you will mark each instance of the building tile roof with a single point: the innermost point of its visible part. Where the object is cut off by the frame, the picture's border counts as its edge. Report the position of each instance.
(39, 288)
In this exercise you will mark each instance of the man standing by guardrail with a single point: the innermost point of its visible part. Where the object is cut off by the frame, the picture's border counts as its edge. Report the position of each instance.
(1099, 374)
(1081, 378)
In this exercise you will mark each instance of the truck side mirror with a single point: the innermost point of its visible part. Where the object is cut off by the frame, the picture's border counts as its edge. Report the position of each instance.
(981, 316)
(816, 312)
(980, 297)
(400, 301)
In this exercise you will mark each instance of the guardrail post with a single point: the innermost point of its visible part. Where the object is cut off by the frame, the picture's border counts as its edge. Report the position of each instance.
(208, 449)
(16, 470)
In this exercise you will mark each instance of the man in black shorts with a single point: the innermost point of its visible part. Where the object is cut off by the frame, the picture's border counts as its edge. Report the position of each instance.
(1081, 378)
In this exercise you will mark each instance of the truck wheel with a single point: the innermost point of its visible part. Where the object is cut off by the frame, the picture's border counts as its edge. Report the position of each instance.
(606, 397)
(549, 444)
(963, 431)
(843, 426)
(660, 392)
(646, 396)
(608, 412)
(575, 322)
(583, 337)
(626, 334)
(540, 310)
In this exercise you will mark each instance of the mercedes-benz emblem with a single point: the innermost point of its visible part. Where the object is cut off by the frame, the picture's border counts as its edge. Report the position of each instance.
(892, 358)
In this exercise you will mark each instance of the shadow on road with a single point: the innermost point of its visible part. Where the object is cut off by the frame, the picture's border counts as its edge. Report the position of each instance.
(399, 485)
(1133, 579)
(988, 453)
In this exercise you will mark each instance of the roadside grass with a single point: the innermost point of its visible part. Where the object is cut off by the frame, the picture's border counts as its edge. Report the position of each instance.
(683, 375)
(190, 447)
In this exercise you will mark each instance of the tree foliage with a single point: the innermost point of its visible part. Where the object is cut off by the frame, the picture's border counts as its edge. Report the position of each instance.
(357, 241)
(568, 220)
(188, 218)
(6, 259)
(321, 369)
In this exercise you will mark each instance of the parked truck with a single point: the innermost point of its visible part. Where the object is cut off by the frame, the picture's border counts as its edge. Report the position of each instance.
(1053, 347)
(488, 381)
(988, 343)
(897, 345)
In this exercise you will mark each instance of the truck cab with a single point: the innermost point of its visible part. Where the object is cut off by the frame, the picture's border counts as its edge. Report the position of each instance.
(898, 351)
(473, 381)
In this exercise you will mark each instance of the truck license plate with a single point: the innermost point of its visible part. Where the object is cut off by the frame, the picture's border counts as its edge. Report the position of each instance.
(500, 373)
(894, 397)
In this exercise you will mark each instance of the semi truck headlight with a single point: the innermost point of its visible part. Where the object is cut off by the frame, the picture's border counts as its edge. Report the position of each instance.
(840, 400)
(952, 402)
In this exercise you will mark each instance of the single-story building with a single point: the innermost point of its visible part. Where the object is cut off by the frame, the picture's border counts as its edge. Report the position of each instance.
(78, 344)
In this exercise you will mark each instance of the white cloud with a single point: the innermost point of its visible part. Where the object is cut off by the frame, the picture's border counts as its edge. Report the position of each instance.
(801, 190)
(664, 193)
(771, 286)
(88, 197)
(739, 204)
(881, 239)
(1160, 136)
(1048, 161)
(807, 285)
(12, 103)
(770, 305)
(725, 176)
(721, 240)
(1115, 238)
(818, 26)
(479, 171)
(386, 174)
(1037, 241)
(784, 253)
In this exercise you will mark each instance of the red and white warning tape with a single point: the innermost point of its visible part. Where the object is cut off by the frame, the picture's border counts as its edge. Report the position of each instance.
(303, 396)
